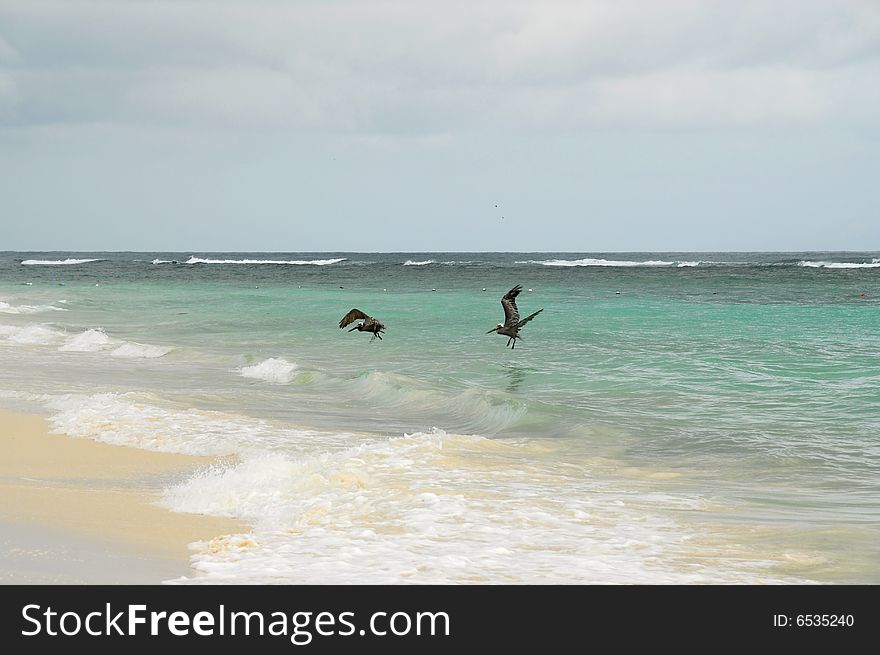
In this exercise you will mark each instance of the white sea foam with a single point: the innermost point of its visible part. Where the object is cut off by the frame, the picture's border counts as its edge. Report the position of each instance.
(124, 419)
(410, 262)
(874, 263)
(57, 262)
(132, 350)
(31, 335)
(598, 262)
(138, 420)
(313, 262)
(6, 308)
(89, 341)
(428, 507)
(277, 371)
(437, 508)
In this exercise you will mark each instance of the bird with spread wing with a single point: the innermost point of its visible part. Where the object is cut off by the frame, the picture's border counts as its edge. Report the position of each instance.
(512, 322)
(367, 324)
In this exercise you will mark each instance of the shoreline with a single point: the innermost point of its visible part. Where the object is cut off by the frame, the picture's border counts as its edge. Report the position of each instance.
(78, 511)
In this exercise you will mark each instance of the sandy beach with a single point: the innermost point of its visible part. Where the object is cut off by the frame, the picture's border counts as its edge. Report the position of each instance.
(76, 511)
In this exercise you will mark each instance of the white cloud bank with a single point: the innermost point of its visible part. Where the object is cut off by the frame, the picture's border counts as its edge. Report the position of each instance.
(436, 67)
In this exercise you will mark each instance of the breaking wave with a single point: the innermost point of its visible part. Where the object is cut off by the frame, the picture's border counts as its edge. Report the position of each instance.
(297, 262)
(874, 263)
(89, 341)
(597, 262)
(57, 262)
(277, 371)
(31, 335)
(6, 308)
(393, 511)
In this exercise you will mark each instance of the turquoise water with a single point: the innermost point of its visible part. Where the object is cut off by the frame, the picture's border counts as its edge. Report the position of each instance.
(669, 417)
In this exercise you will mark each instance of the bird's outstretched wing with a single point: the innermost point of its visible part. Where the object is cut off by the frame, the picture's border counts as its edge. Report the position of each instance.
(529, 318)
(511, 313)
(351, 317)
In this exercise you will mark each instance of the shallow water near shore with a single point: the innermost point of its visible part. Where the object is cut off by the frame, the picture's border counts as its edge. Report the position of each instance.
(668, 417)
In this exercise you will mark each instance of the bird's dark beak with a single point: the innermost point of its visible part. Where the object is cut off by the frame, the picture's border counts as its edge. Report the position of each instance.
(492, 330)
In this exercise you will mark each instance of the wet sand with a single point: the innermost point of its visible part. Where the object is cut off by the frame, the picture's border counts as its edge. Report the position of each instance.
(76, 511)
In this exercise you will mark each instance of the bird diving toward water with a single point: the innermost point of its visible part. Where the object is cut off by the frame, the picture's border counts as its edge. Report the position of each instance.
(367, 324)
(512, 322)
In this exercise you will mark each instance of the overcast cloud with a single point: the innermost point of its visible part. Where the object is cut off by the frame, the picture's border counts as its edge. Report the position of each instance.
(625, 125)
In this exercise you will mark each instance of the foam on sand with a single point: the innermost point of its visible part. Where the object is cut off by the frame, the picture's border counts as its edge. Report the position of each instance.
(124, 419)
(424, 508)
(138, 420)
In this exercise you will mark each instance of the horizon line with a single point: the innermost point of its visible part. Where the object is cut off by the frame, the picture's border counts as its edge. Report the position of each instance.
(429, 252)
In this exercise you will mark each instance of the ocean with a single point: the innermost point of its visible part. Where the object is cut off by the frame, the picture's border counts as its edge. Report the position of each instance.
(669, 418)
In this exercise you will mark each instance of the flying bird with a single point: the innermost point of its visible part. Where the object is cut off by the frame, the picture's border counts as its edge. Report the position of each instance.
(512, 322)
(367, 324)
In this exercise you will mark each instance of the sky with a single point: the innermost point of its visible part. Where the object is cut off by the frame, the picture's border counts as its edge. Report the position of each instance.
(422, 125)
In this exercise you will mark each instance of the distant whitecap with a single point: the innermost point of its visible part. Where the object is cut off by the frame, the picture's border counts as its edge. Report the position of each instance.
(294, 262)
(598, 262)
(874, 263)
(57, 262)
